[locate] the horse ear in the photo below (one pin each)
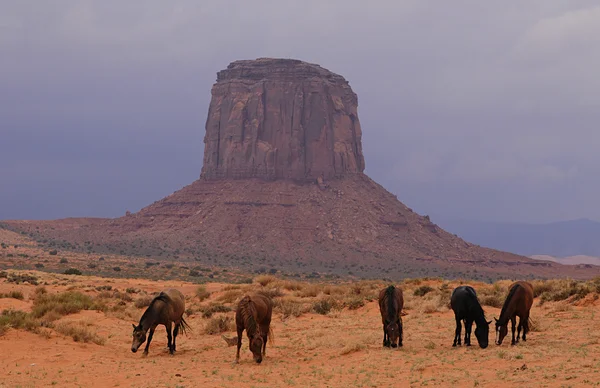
(133, 326)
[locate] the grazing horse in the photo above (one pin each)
(253, 313)
(517, 303)
(466, 308)
(391, 302)
(166, 308)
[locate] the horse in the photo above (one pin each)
(253, 314)
(517, 303)
(466, 308)
(391, 302)
(166, 308)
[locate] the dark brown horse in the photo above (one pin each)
(165, 309)
(253, 313)
(517, 303)
(391, 302)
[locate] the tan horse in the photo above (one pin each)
(165, 309)
(253, 313)
(517, 303)
(391, 302)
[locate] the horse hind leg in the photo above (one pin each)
(457, 332)
(169, 326)
(519, 327)
(386, 340)
(400, 332)
(468, 328)
(175, 332)
(525, 327)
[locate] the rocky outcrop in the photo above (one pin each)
(281, 119)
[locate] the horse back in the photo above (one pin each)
(264, 307)
(523, 296)
(383, 302)
(176, 303)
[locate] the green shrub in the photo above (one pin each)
(72, 271)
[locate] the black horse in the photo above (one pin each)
(466, 308)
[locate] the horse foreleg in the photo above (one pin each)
(169, 337)
(525, 327)
(265, 337)
(149, 340)
(386, 340)
(457, 333)
(175, 332)
(513, 322)
(519, 328)
(239, 344)
(468, 328)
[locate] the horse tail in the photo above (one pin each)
(390, 292)
(271, 335)
(183, 326)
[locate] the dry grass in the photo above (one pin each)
(310, 291)
(14, 295)
(353, 347)
(230, 296)
(265, 280)
(219, 324)
(80, 333)
(65, 303)
(143, 301)
(288, 307)
(17, 319)
(208, 311)
(201, 293)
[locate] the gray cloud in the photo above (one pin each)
(485, 110)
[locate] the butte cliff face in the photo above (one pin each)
(273, 125)
(281, 119)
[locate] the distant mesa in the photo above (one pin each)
(282, 187)
(281, 119)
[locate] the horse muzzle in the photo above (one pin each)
(134, 350)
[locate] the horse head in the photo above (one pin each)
(393, 332)
(482, 333)
(139, 337)
(501, 331)
(256, 345)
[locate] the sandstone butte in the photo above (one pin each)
(282, 186)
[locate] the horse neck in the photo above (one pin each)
(392, 314)
(250, 319)
(508, 308)
(478, 314)
(148, 318)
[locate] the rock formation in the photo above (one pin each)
(274, 124)
(281, 119)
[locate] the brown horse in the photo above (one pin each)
(517, 303)
(253, 313)
(165, 309)
(391, 302)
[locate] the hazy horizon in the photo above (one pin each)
(469, 110)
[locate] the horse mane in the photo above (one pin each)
(391, 310)
(509, 298)
(248, 312)
(476, 306)
(160, 297)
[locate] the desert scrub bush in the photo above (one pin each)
(79, 333)
(230, 296)
(218, 325)
(310, 291)
(290, 285)
(492, 300)
(208, 311)
(38, 265)
(290, 308)
(333, 290)
(53, 252)
(117, 269)
(17, 319)
(19, 278)
(271, 292)
(65, 303)
(92, 265)
(422, 290)
(264, 280)
(352, 347)
(324, 306)
(354, 303)
(72, 271)
(201, 293)
(143, 301)
(565, 289)
(63, 261)
(14, 295)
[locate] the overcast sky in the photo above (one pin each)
(486, 110)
